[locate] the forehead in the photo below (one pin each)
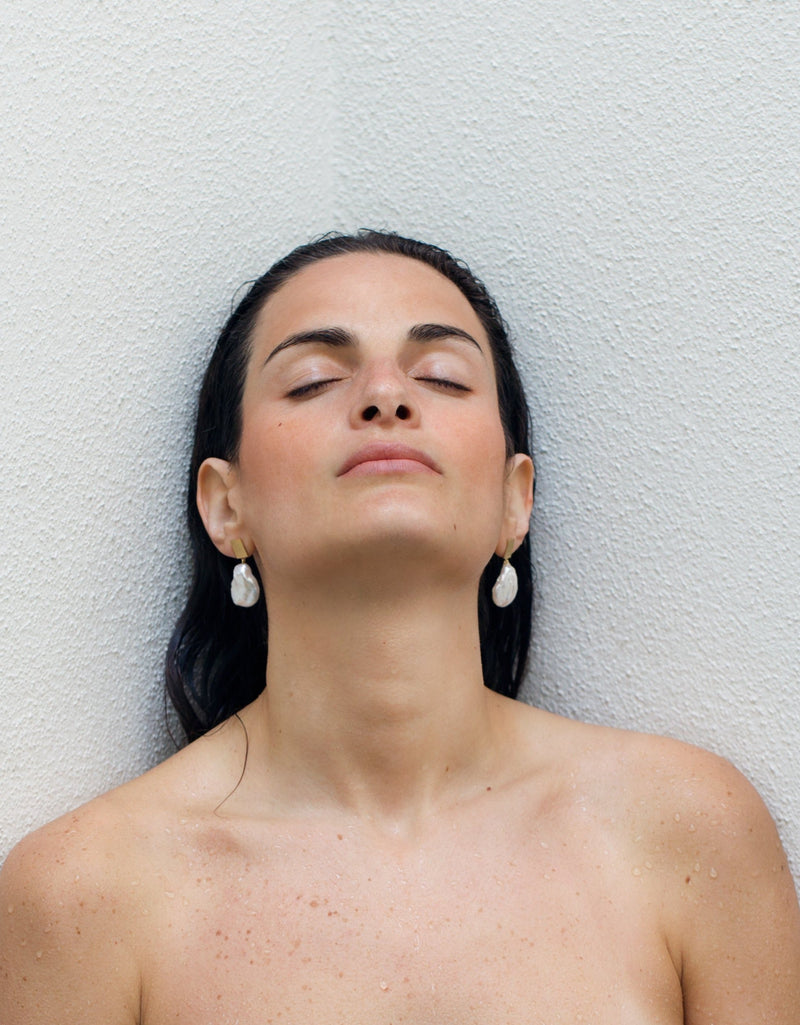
(366, 291)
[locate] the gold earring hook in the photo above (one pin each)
(239, 549)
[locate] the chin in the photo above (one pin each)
(397, 530)
(405, 537)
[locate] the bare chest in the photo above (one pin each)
(323, 934)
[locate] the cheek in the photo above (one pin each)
(485, 445)
(275, 458)
(482, 484)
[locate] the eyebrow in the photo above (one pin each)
(338, 337)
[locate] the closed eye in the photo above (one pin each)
(443, 382)
(311, 388)
(314, 387)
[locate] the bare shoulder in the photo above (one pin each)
(730, 904)
(694, 806)
(66, 863)
(697, 841)
(84, 858)
(66, 923)
(682, 803)
(672, 790)
(76, 899)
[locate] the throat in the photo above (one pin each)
(382, 713)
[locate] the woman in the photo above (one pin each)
(376, 835)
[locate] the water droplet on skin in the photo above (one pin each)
(697, 866)
(692, 827)
(713, 873)
(677, 816)
(637, 871)
(384, 986)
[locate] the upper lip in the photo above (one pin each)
(376, 450)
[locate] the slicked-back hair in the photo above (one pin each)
(217, 656)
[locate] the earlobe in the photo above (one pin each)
(216, 503)
(518, 501)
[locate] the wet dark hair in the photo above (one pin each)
(216, 661)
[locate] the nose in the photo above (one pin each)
(384, 398)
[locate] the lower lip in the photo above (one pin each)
(378, 467)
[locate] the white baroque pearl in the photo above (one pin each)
(244, 586)
(505, 587)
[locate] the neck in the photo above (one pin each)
(374, 703)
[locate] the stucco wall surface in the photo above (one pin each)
(625, 178)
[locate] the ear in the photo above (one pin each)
(216, 503)
(518, 501)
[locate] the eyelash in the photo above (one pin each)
(316, 386)
(443, 382)
(310, 389)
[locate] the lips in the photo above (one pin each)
(388, 457)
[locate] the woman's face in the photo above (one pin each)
(370, 423)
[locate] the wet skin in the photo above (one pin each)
(601, 882)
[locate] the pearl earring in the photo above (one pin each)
(244, 586)
(505, 587)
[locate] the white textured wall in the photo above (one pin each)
(625, 177)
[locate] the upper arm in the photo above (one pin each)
(65, 955)
(737, 917)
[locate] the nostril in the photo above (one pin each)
(403, 413)
(370, 413)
